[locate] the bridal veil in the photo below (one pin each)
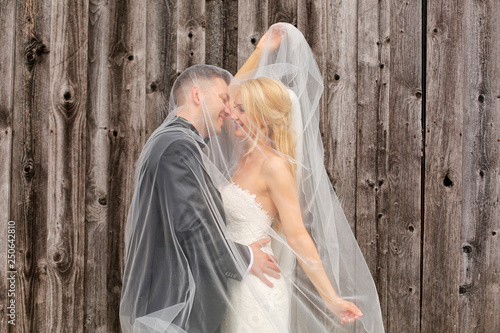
(161, 282)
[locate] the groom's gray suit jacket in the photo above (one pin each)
(185, 234)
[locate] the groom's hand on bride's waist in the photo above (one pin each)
(263, 263)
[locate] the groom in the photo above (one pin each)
(178, 260)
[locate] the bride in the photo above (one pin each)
(279, 188)
(263, 192)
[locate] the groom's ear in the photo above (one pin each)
(195, 94)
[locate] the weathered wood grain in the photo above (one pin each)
(215, 33)
(161, 60)
(66, 166)
(85, 84)
(479, 290)
(444, 184)
(126, 133)
(372, 197)
(340, 96)
(282, 11)
(230, 60)
(312, 22)
(403, 143)
(7, 40)
(97, 169)
(252, 24)
(191, 34)
(29, 187)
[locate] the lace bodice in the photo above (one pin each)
(246, 220)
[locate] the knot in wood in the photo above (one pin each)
(30, 57)
(28, 169)
(67, 99)
(42, 268)
(60, 259)
(32, 50)
(467, 248)
(153, 86)
(370, 183)
(447, 181)
(394, 248)
(463, 289)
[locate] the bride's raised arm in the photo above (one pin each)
(282, 188)
(271, 39)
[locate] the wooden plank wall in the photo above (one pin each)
(410, 120)
(461, 249)
(7, 39)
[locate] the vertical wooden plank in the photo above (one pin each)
(230, 61)
(403, 165)
(161, 60)
(191, 34)
(282, 11)
(222, 34)
(479, 290)
(252, 24)
(126, 132)
(340, 96)
(29, 188)
(97, 167)
(372, 197)
(7, 26)
(443, 167)
(312, 22)
(214, 39)
(389, 155)
(66, 163)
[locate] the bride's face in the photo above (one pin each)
(242, 128)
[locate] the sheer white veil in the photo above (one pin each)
(182, 258)
(294, 65)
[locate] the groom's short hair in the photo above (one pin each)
(194, 73)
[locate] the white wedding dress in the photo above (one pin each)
(248, 222)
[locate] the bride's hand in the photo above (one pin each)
(347, 311)
(274, 39)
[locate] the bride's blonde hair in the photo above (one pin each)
(268, 106)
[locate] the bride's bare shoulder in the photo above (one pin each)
(276, 167)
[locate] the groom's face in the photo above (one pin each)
(215, 104)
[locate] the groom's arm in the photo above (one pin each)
(195, 210)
